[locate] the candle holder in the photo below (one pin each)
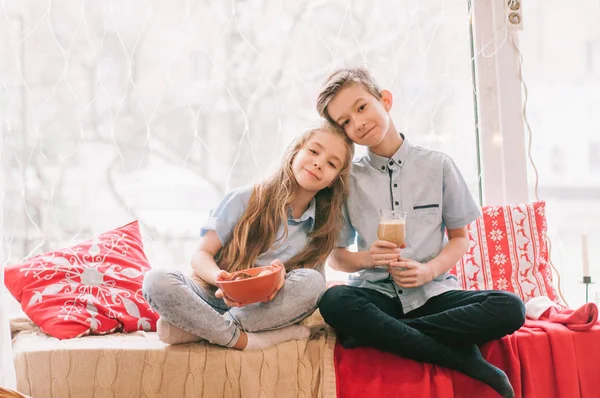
(587, 281)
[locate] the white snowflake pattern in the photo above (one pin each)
(495, 223)
(84, 273)
(493, 211)
(500, 259)
(501, 270)
(498, 248)
(496, 235)
(502, 283)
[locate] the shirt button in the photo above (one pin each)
(399, 162)
(397, 203)
(382, 167)
(399, 291)
(395, 185)
(391, 163)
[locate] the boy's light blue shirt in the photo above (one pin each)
(428, 186)
(230, 210)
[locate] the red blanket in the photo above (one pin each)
(542, 359)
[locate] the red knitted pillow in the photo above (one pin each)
(508, 252)
(91, 288)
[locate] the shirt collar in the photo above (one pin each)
(309, 214)
(382, 163)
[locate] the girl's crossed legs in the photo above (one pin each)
(195, 309)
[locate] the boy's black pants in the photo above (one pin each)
(434, 333)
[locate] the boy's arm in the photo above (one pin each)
(381, 253)
(459, 209)
(457, 246)
(342, 259)
(410, 274)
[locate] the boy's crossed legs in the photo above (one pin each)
(463, 317)
(444, 331)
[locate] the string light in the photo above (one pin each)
(532, 162)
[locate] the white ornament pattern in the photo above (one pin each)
(94, 287)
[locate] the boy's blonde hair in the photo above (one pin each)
(269, 206)
(340, 79)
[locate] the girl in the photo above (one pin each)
(292, 219)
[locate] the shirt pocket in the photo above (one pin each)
(427, 206)
(423, 217)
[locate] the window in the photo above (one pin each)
(562, 74)
(131, 110)
(557, 161)
(594, 154)
(593, 56)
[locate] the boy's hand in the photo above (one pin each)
(382, 253)
(409, 273)
(275, 265)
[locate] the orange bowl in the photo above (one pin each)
(254, 288)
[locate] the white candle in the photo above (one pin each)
(584, 254)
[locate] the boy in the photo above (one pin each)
(404, 301)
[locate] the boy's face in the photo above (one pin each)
(363, 117)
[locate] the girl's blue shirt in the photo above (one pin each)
(230, 210)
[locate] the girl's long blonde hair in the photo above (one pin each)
(269, 207)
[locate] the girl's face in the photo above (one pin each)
(319, 161)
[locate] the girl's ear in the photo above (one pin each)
(387, 100)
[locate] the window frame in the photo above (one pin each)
(498, 100)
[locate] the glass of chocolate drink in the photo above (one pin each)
(392, 226)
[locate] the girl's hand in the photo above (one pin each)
(229, 302)
(225, 276)
(275, 266)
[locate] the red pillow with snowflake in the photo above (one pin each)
(91, 288)
(508, 251)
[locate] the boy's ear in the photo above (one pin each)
(387, 100)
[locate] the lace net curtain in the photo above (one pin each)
(121, 110)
